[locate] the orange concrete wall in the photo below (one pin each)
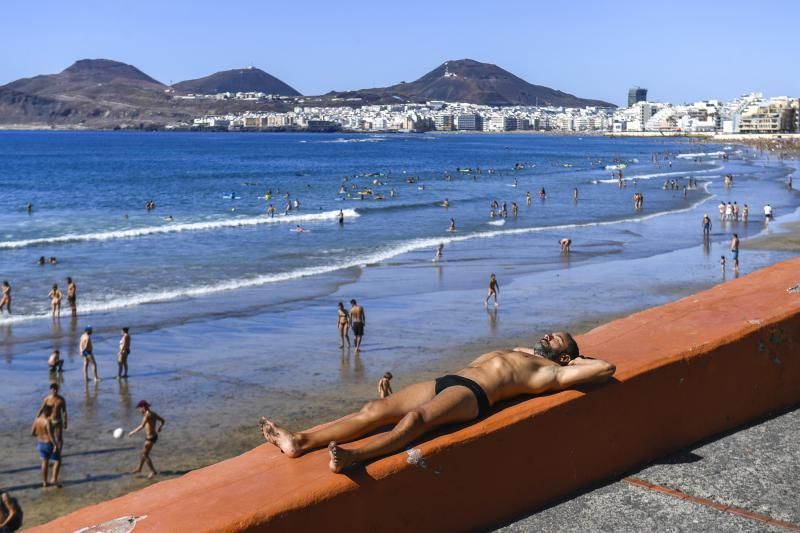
(685, 371)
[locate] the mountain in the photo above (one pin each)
(470, 81)
(238, 80)
(101, 93)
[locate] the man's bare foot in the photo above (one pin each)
(45, 484)
(152, 475)
(340, 458)
(280, 437)
(135, 471)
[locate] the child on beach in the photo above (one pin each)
(384, 387)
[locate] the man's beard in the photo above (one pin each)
(545, 351)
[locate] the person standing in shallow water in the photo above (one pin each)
(87, 351)
(494, 290)
(47, 445)
(357, 321)
(149, 421)
(72, 296)
(343, 323)
(55, 300)
(5, 299)
(122, 355)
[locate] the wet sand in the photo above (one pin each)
(786, 241)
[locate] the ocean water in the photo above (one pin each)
(233, 314)
(88, 192)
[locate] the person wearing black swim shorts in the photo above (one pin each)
(149, 421)
(552, 364)
(357, 320)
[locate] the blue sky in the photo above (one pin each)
(681, 51)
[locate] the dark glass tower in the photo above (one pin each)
(636, 94)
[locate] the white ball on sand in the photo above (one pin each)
(118, 433)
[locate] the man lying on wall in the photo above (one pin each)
(553, 364)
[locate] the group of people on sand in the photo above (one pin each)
(86, 349)
(51, 422)
(353, 319)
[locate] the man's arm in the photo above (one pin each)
(584, 370)
(139, 427)
(64, 407)
(160, 421)
(41, 408)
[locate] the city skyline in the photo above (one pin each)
(694, 52)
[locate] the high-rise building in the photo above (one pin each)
(636, 94)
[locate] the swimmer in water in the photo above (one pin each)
(452, 227)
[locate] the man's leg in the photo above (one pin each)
(143, 457)
(148, 449)
(453, 405)
(85, 367)
(45, 464)
(372, 416)
(56, 471)
(94, 367)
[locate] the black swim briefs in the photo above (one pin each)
(452, 380)
(358, 328)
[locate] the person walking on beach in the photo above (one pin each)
(735, 251)
(384, 385)
(745, 212)
(5, 299)
(55, 300)
(553, 364)
(357, 321)
(494, 290)
(565, 244)
(72, 296)
(528, 198)
(706, 225)
(10, 513)
(58, 413)
(343, 323)
(47, 446)
(124, 352)
(87, 352)
(149, 421)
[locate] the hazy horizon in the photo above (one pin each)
(693, 51)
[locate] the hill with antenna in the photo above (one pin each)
(470, 81)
